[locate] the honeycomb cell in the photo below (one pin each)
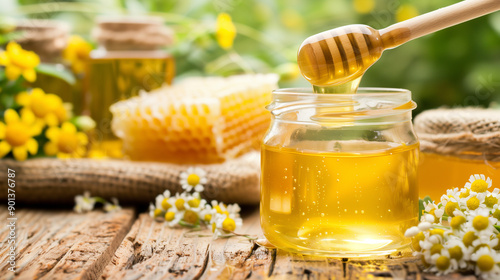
(199, 120)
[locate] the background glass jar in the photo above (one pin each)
(339, 172)
(129, 59)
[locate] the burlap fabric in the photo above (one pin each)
(47, 38)
(54, 181)
(132, 33)
(472, 133)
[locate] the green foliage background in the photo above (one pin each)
(459, 66)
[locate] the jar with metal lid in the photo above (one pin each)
(457, 143)
(339, 172)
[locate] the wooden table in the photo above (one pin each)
(61, 244)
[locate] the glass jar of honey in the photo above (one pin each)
(455, 144)
(129, 59)
(339, 172)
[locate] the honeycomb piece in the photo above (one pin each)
(200, 120)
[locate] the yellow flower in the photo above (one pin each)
(406, 11)
(292, 19)
(19, 62)
(17, 134)
(65, 141)
(47, 107)
(225, 31)
(76, 53)
(364, 6)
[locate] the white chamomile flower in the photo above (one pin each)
(84, 203)
(486, 260)
(205, 214)
(219, 207)
(179, 201)
(451, 194)
(112, 207)
(491, 199)
(155, 212)
(458, 252)
(163, 201)
(226, 224)
(479, 185)
(432, 210)
(443, 263)
(481, 222)
(475, 201)
(173, 216)
(431, 245)
(194, 178)
(194, 203)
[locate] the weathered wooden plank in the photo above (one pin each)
(295, 266)
(152, 250)
(239, 257)
(59, 244)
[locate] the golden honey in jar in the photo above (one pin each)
(457, 143)
(129, 60)
(340, 182)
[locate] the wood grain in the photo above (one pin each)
(55, 244)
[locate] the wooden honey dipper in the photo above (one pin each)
(343, 54)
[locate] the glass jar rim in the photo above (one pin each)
(360, 92)
(373, 105)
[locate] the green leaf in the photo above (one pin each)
(57, 72)
(421, 207)
(497, 228)
(11, 36)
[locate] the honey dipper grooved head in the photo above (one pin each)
(339, 55)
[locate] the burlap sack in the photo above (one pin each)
(471, 133)
(54, 181)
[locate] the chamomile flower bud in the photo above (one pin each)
(412, 232)
(429, 218)
(424, 226)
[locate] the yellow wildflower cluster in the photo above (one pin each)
(40, 112)
(189, 209)
(42, 118)
(470, 240)
(76, 53)
(19, 62)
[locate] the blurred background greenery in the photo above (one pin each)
(459, 66)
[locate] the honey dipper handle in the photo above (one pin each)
(416, 27)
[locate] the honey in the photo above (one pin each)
(119, 75)
(437, 173)
(338, 203)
